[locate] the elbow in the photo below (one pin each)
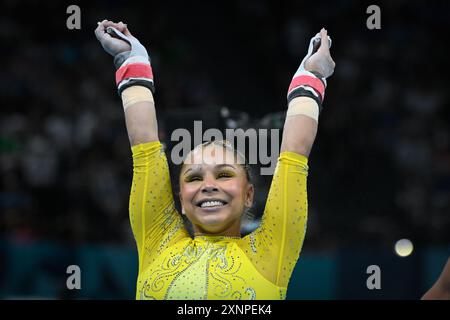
(301, 146)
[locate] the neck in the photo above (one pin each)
(221, 234)
(233, 230)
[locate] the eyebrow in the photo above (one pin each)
(219, 166)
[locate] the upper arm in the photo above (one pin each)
(275, 246)
(154, 219)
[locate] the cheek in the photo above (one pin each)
(188, 192)
(235, 189)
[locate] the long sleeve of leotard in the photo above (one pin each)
(274, 247)
(155, 222)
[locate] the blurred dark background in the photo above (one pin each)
(379, 171)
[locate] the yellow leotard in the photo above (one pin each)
(172, 265)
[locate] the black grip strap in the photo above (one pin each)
(137, 82)
(302, 92)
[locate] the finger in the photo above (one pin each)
(324, 43)
(100, 30)
(121, 26)
(101, 26)
(126, 31)
(114, 33)
(115, 25)
(108, 23)
(102, 23)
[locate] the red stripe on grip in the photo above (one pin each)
(312, 82)
(134, 70)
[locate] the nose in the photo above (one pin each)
(209, 184)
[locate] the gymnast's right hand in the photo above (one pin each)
(131, 59)
(108, 39)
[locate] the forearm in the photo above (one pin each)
(300, 129)
(140, 115)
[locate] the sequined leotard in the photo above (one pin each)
(172, 265)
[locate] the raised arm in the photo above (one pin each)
(134, 79)
(154, 220)
(275, 246)
(305, 96)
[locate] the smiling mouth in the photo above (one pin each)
(211, 204)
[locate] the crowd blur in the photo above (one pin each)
(380, 168)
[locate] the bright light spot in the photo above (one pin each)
(404, 247)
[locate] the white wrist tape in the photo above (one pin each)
(135, 94)
(305, 106)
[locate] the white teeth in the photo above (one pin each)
(212, 204)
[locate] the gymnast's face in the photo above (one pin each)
(214, 191)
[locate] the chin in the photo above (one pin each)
(212, 223)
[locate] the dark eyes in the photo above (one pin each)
(193, 178)
(219, 176)
(225, 175)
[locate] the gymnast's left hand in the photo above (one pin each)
(321, 62)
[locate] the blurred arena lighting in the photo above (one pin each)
(404, 247)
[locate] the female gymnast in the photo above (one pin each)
(215, 190)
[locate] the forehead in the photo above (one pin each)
(211, 155)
